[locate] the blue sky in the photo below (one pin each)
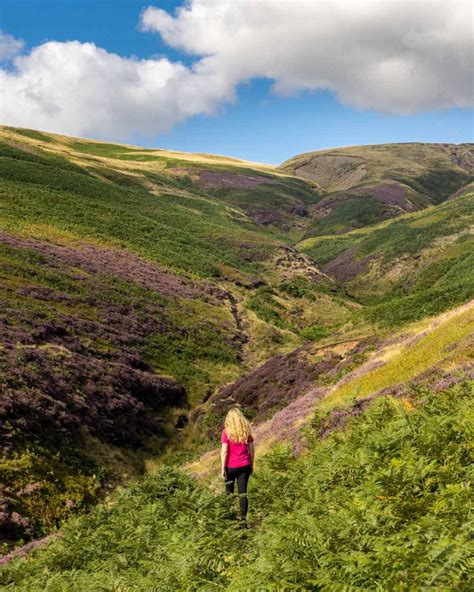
(259, 125)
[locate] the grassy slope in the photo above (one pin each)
(384, 504)
(118, 269)
(406, 268)
(439, 344)
(155, 205)
(363, 185)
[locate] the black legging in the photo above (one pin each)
(242, 475)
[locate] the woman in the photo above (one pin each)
(237, 454)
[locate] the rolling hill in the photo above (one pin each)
(363, 185)
(145, 291)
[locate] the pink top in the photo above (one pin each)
(238, 455)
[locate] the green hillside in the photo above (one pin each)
(146, 291)
(362, 185)
(130, 293)
(379, 498)
(406, 268)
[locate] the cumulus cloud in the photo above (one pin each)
(398, 57)
(389, 56)
(79, 88)
(9, 46)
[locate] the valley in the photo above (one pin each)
(145, 291)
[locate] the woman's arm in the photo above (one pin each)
(224, 451)
(251, 453)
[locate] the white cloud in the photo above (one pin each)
(78, 88)
(9, 46)
(398, 57)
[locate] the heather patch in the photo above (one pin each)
(112, 399)
(84, 352)
(111, 261)
(283, 379)
(26, 549)
(221, 179)
(390, 194)
(435, 379)
(265, 217)
(279, 203)
(347, 265)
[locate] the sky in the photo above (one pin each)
(257, 79)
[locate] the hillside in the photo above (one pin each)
(362, 185)
(129, 294)
(382, 473)
(408, 267)
(145, 291)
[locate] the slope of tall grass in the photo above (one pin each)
(419, 264)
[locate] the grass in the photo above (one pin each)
(397, 237)
(63, 314)
(224, 242)
(180, 232)
(428, 173)
(61, 311)
(33, 134)
(422, 262)
(299, 306)
(441, 285)
(103, 149)
(404, 363)
(438, 183)
(349, 214)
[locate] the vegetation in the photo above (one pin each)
(420, 264)
(145, 291)
(181, 232)
(382, 505)
(108, 308)
(363, 185)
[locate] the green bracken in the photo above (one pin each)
(383, 505)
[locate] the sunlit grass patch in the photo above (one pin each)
(403, 362)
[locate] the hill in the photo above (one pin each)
(362, 185)
(408, 267)
(130, 293)
(145, 291)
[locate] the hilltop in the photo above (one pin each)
(362, 185)
(145, 291)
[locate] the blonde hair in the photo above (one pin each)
(237, 426)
